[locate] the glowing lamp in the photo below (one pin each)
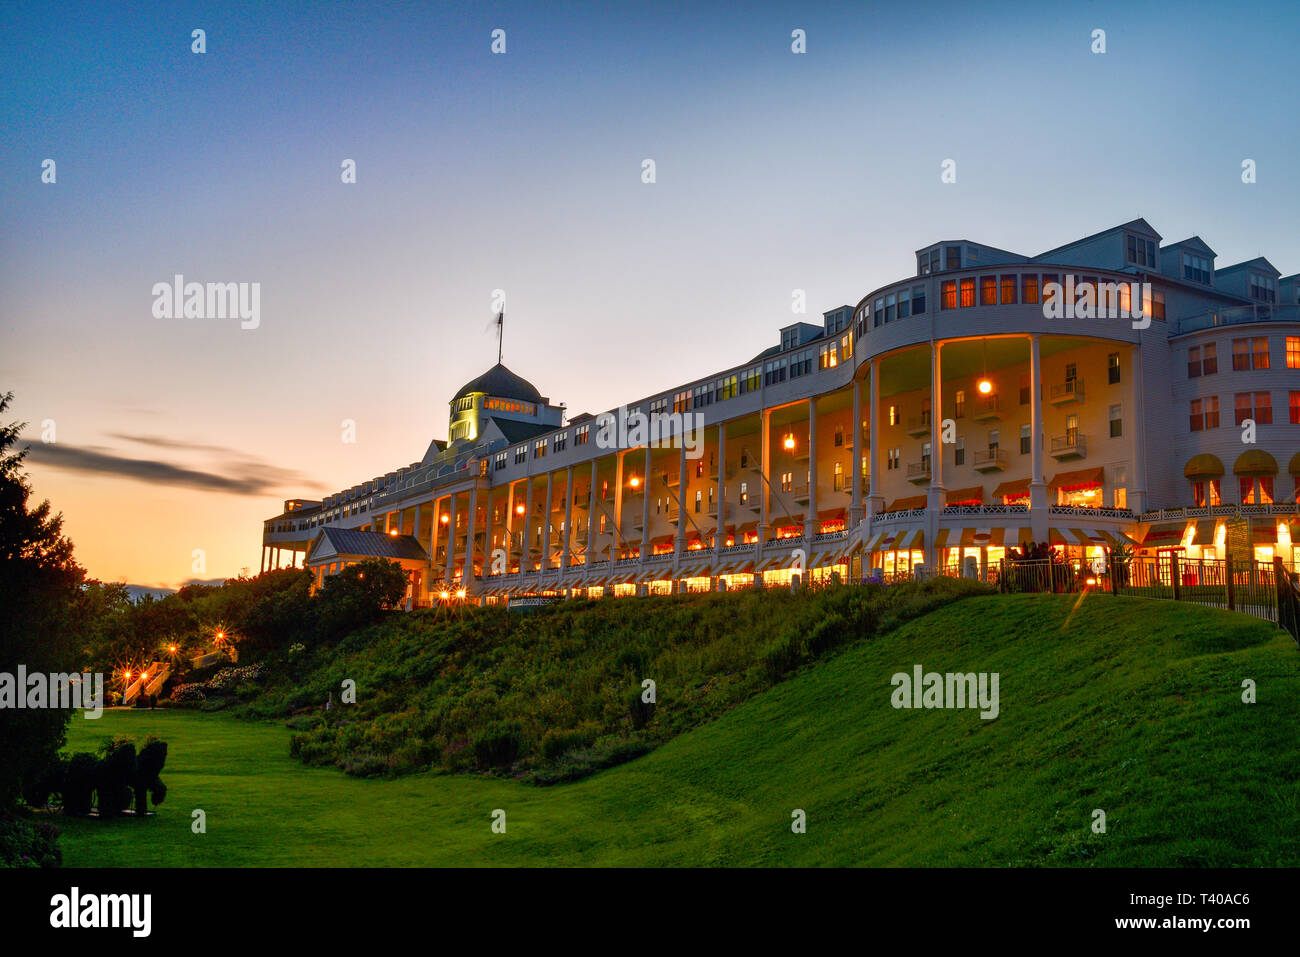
(519, 510)
(444, 595)
(789, 441)
(634, 482)
(392, 531)
(445, 518)
(460, 593)
(985, 386)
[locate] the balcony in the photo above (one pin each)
(987, 409)
(1237, 315)
(798, 492)
(1072, 445)
(993, 460)
(1071, 390)
(918, 425)
(918, 472)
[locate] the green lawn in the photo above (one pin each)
(1126, 705)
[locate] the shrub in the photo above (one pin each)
(498, 746)
(24, 843)
(638, 709)
(556, 743)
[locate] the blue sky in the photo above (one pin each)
(775, 171)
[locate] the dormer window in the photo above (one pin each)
(1141, 252)
(1262, 288)
(1196, 268)
(953, 257)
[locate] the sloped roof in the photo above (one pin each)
(516, 431)
(1138, 225)
(500, 381)
(351, 541)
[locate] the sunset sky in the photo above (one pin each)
(522, 172)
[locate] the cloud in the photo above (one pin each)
(242, 477)
(162, 442)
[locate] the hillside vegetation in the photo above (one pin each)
(1124, 705)
(563, 691)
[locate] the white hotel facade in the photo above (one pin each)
(826, 455)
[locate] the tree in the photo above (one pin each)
(360, 594)
(40, 613)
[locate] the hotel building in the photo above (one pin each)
(972, 407)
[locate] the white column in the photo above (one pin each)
(645, 505)
(433, 542)
(720, 536)
(937, 492)
(546, 526)
(855, 464)
(591, 522)
(1038, 518)
(810, 521)
(451, 537)
(508, 540)
(1137, 495)
(526, 538)
(765, 466)
(467, 579)
(679, 546)
(875, 500)
(568, 520)
(618, 505)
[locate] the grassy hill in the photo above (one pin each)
(1121, 704)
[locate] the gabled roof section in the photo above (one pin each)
(351, 541)
(515, 431)
(1193, 244)
(1259, 264)
(1139, 226)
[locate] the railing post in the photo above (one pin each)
(1175, 576)
(1112, 567)
(1228, 582)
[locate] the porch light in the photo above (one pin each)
(519, 510)
(445, 518)
(985, 386)
(634, 482)
(392, 531)
(444, 595)
(789, 441)
(460, 593)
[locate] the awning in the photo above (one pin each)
(738, 566)
(769, 561)
(661, 540)
(1079, 478)
(1263, 533)
(910, 540)
(875, 542)
(1117, 538)
(1025, 536)
(831, 515)
(747, 527)
(1087, 538)
(1170, 533)
(1254, 462)
(1054, 537)
(784, 521)
(995, 536)
(907, 503)
(1017, 488)
(974, 494)
(1294, 467)
(1205, 465)
(1204, 532)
